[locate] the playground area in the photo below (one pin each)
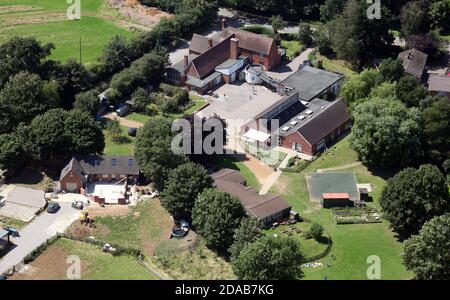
(339, 182)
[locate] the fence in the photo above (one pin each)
(327, 249)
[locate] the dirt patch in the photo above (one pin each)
(34, 18)
(262, 172)
(16, 8)
(144, 15)
(51, 264)
(112, 210)
(282, 184)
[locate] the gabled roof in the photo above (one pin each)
(205, 63)
(259, 206)
(414, 62)
(326, 121)
(248, 40)
(180, 66)
(200, 43)
(99, 165)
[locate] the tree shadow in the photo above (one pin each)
(122, 140)
(323, 240)
(29, 176)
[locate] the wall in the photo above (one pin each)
(71, 177)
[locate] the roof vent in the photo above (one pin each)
(301, 117)
(323, 107)
(309, 112)
(285, 128)
(293, 123)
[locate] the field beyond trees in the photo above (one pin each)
(48, 22)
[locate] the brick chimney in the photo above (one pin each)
(234, 48)
(210, 43)
(224, 23)
(186, 61)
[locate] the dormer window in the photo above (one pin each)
(113, 162)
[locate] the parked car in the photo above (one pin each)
(13, 231)
(53, 207)
(132, 131)
(123, 110)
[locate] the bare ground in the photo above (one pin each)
(144, 15)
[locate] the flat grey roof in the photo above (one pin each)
(311, 82)
(202, 82)
(228, 63)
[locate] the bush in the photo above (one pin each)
(316, 230)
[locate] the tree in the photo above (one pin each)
(414, 19)
(84, 133)
(215, 216)
(384, 90)
(45, 137)
(20, 54)
(114, 130)
(182, 188)
(87, 102)
(154, 153)
(25, 96)
(248, 232)
(359, 86)
(316, 230)
(141, 99)
(414, 196)
(438, 12)
(356, 38)
(331, 8)
(428, 253)
(305, 34)
(322, 40)
(277, 23)
(410, 91)
(391, 70)
(269, 258)
(436, 129)
(11, 153)
(385, 133)
(117, 54)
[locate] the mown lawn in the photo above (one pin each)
(47, 21)
(293, 48)
(138, 117)
(352, 244)
(334, 65)
(125, 147)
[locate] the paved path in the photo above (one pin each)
(275, 175)
(37, 232)
(343, 167)
(123, 121)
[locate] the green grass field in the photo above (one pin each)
(47, 21)
(230, 162)
(352, 244)
(124, 148)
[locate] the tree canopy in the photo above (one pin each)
(248, 232)
(215, 216)
(427, 254)
(269, 258)
(414, 196)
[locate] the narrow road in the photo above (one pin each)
(37, 232)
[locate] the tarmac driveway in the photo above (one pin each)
(37, 232)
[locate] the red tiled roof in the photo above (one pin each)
(248, 40)
(335, 196)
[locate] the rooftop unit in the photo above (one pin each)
(309, 112)
(285, 128)
(301, 117)
(294, 122)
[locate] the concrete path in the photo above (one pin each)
(275, 175)
(37, 232)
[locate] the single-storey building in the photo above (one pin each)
(95, 168)
(266, 208)
(330, 200)
(414, 62)
(21, 202)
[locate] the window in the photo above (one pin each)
(130, 162)
(113, 162)
(105, 176)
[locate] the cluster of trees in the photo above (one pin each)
(396, 122)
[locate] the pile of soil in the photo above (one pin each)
(139, 13)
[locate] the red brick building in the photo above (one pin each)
(212, 61)
(109, 169)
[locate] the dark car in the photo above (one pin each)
(123, 110)
(132, 131)
(53, 207)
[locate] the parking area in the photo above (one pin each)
(21, 203)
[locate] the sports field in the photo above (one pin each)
(47, 20)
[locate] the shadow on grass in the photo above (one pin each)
(323, 240)
(122, 140)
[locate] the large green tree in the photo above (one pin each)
(357, 38)
(21, 54)
(215, 216)
(117, 54)
(87, 102)
(385, 133)
(269, 258)
(11, 153)
(182, 188)
(359, 86)
(25, 96)
(414, 18)
(248, 232)
(410, 91)
(391, 69)
(154, 153)
(428, 253)
(414, 196)
(436, 129)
